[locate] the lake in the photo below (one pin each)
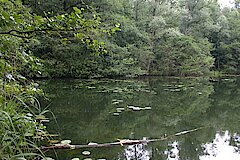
(102, 111)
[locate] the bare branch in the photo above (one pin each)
(27, 34)
(119, 143)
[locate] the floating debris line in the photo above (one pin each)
(121, 142)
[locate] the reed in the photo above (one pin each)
(21, 126)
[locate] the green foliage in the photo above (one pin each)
(20, 130)
(184, 56)
(97, 38)
(73, 46)
(226, 41)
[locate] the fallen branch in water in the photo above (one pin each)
(121, 142)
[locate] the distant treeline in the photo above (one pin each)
(157, 37)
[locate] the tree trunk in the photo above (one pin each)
(64, 5)
(35, 4)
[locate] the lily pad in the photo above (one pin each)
(148, 108)
(119, 111)
(87, 159)
(175, 90)
(153, 92)
(75, 159)
(92, 143)
(130, 106)
(66, 141)
(116, 114)
(136, 108)
(90, 87)
(115, 102)
(86, 153)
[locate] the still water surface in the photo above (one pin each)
(101, 111)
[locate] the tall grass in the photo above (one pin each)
(21, 128)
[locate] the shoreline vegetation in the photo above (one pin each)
(105, 38)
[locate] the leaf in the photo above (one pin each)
(10, 76)
(53, 141)
(77, 10)
(44, 120)
(21, 158)
(29, 115)
(52, 135)
(12, 18)
(36, 137)
(28, 134)
(41, 117)
(86, 153)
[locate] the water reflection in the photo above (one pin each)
(137, 152)
(84, 112)
(221, 147)
(224, 146)
(173, 153)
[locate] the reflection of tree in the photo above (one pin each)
(85, 115)
(221, 148)
(173, 153)
(224, 113)
(136, 152)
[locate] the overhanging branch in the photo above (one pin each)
(28, 33)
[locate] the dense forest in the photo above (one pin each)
(103, 38)
(158, 37)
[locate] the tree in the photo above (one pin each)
(227, 42)
(146, 28)
(18, 105)
(21, 115)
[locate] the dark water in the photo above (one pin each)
(106, 110)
